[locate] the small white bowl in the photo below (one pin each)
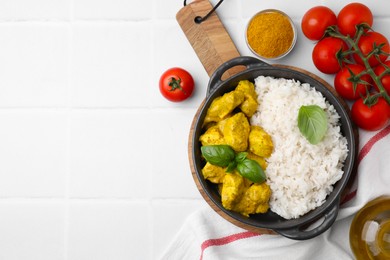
(292, 43)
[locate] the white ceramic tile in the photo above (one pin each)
(34, 10)
(168, 9)
(170, 166)
(168, 217)
(109, 230)
(34, 65)
(111, 9)
(167, 34)
(110, 154)
(227, 9)
(33, 153)
(31, 230)
(295, 9)
(111, 65)
(236, 30)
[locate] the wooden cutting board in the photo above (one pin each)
(214, 46)
(209, 39)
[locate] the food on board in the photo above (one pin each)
(312, 123)
(176, 84)
(225, 156)
(260, 143)
(235, 131)
(298, 174)
(235, 151)
(239, 195)
(223, 106)
(270, 34)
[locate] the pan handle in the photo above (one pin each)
(298, 234)
(249, 62)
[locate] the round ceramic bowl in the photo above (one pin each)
(291, 228)
(261, 34)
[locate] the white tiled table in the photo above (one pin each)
(93, 161)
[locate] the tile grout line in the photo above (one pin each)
(63, 200)
(85, 108)
(80, 21)
(69, 130)
(79, 199)
(150, 198)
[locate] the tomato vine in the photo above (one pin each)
(375, 52)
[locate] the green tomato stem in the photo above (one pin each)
(175, 84)
(355, 49)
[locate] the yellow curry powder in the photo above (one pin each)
(270, 34)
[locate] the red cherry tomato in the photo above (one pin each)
(324, 54)
(366, 45)
(176, 84)
(372, 117)
(352, 15)
(344, 85)
(316, 20)
(385, 79)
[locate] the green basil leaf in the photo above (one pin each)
(240, 157)
(251, 170)
(312, 123)
(220, 155)
(232, 165)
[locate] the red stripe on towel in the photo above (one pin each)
(367, 147)
(363, 152)
(231, 238)
(226, 240)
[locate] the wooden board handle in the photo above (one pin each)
(209, 39)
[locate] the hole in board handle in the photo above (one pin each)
(198, 20)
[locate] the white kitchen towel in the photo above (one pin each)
(206, 235)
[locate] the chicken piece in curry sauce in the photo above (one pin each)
(249, 105)
(260, 142)
(236, 132)
(212, 136)
(227, 122)
(213, 173)
(241, 196)
(223, 106)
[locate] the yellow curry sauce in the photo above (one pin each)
(227, 122)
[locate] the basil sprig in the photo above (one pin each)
(251, 170)
(220, 155)
(312, 123)
(224, 156)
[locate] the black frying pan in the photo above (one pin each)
(293, 228)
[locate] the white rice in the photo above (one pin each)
(300, 174)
